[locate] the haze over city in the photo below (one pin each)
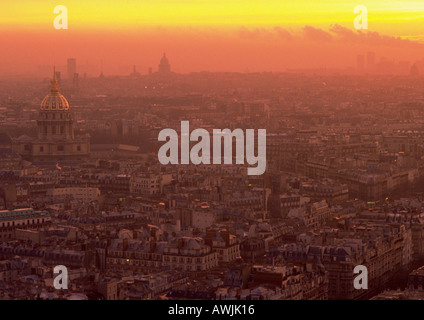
(181, 150)
(234, 36)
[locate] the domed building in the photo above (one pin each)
(55, 132)
(164, 66)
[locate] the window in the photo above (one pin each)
(41, 149)
(78, 148)
(60, 148)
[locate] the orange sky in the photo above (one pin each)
(219, 35)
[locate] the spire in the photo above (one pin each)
(54, 88)
(101, 69)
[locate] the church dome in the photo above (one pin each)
(164, 60)
(164, 66)
(54, 100)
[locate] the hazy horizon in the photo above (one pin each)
(207, 36)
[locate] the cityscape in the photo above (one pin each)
(83, 189)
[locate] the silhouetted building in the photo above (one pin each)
(135, 74)
(71, 67)
(75, 83)
(164, 66)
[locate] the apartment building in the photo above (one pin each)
(25, 218)
(189, 254)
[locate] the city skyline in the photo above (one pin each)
(181, 150)
(209, 36)
(363, 63)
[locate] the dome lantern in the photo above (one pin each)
(54, 100)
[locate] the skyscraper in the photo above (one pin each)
(75, 83)
(71, 67)
(58, 76)
(414, 71)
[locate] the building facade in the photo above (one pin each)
(55, 139)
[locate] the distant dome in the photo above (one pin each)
(164, 59)
(54, 100)
(164, 66)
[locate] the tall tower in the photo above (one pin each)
(164, 66)
(58, 77)
(71, 67)
(75, 83)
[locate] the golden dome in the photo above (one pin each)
(54, 100)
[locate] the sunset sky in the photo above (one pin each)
(219, 35)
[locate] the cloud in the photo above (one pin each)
(265, 33)
(316, 34)
(370, 38)
(283, 33)
(335, 34)
(254, 33)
